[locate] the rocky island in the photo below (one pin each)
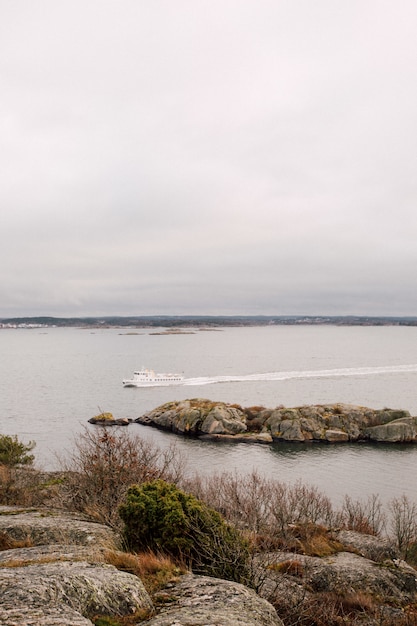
(330, 423)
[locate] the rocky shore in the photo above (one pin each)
(330, 423)
(62, 577)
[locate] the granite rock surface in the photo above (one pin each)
(332, 423)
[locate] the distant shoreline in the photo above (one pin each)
(203, 322)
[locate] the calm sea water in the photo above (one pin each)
(52, 381)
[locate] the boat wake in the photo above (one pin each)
(330, 373)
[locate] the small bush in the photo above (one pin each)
(364, 517)
(105, 462)
(266, 510)
(160, 517)
(404, 525)
(14, 453)
(412, 554)
(19, 482)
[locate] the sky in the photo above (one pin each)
(169, 157)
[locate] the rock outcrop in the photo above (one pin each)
(333, 423)
(198, 417)
(62, 578)
(403, 429)
(293, 579)
(203, 601)
(74, 588)
(107, 419)
(369, 546)
(49, 526)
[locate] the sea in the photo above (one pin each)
(52, 380)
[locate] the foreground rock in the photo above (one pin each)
(61, 577)
(333, 423)
(73, 589)
(64, 579)
(203, 601)
(369, 546)
(48, 526)
(294, 581)
(346, 572)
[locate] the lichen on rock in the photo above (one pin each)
(63, 578)
(85, 588)
(332, 423)
(203, 601)
(49, 526)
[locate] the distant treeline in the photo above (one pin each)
(204, 321)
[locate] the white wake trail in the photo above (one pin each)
(329, 373)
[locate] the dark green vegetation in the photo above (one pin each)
(14, 453)
(203, 321)
(160, 517)
(13, 456)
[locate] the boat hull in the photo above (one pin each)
(150, 378)
(168, 383)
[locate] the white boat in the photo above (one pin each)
(149, 378)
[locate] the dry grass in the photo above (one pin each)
(124, 561)
(333, 609)
(292, 567)
(155, 570)
(26, 486)
(8, 543)
(122, 620)
(315, 540)
(329, 609)
(42, 560)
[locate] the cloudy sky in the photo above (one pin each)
(208, 157)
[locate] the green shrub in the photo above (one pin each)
(160, 517)
(13, 452)
(16, 484)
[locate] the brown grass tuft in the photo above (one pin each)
(155, 570)
(331, 609)
(291, 567)
(314, 540)
(122, 620)
(8, 543)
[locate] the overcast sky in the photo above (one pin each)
(208, 157)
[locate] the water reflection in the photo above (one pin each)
(358, 470)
